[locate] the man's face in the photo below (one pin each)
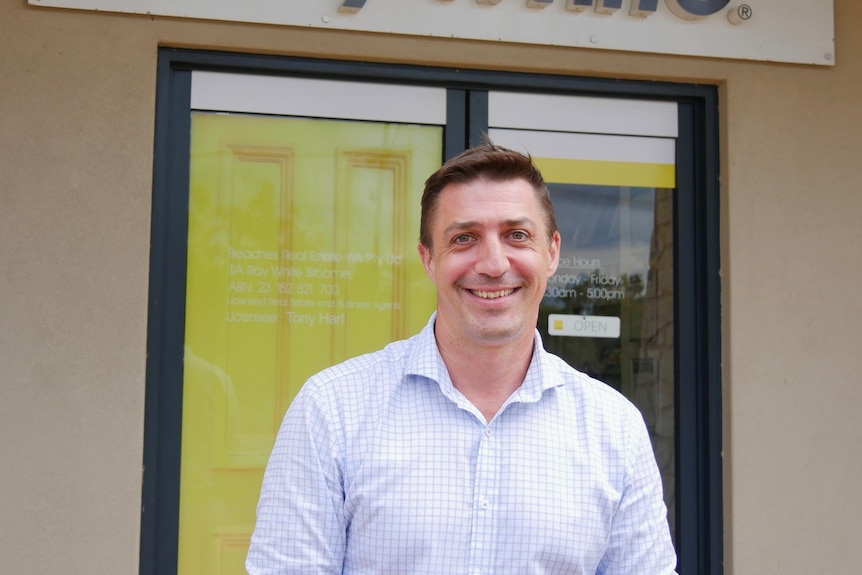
(490, 260)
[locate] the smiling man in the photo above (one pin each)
(466, 449)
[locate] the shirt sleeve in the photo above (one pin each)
(640, 542)
(300, 526)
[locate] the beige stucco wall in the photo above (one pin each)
(77, 94)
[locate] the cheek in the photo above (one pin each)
(535, 264)
(450, 268)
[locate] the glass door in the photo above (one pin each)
(609, 309)
(301, 253)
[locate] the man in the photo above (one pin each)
(466, 449)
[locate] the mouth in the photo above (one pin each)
(492, 294)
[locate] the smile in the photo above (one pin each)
(492, 294)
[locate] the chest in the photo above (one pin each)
(530, 487)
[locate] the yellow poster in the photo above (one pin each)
(301, 253)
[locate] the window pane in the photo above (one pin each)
(301, 253)
(608, 310)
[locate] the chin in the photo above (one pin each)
(492, 333)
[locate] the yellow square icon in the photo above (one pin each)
(558, 324)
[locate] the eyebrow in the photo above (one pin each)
(511, 223)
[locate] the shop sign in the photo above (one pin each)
(797, 31)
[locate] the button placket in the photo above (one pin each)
(483, 548)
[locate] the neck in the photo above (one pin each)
(488, 373)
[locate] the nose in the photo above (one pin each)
(493, 259)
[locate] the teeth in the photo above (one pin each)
(492, 294)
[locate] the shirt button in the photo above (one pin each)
(488, 432)
(485, 504)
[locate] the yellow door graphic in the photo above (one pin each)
(301, 253)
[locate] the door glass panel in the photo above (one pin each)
(609, 309)
(301, 253)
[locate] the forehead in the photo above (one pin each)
(487, 201)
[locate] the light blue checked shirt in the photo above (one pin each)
(382, 467)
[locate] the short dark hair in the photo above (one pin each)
(485, 162)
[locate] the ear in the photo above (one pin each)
(554, 251)
(427, 257)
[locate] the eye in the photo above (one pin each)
(519, 235)
(461, 239)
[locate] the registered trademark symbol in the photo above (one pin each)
(740, 14)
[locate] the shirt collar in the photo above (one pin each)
(425, 360)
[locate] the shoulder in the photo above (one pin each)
(595, 399)
(356, 384)
(389, 360)
(342, 406)
(606, 423)
(377, 369)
